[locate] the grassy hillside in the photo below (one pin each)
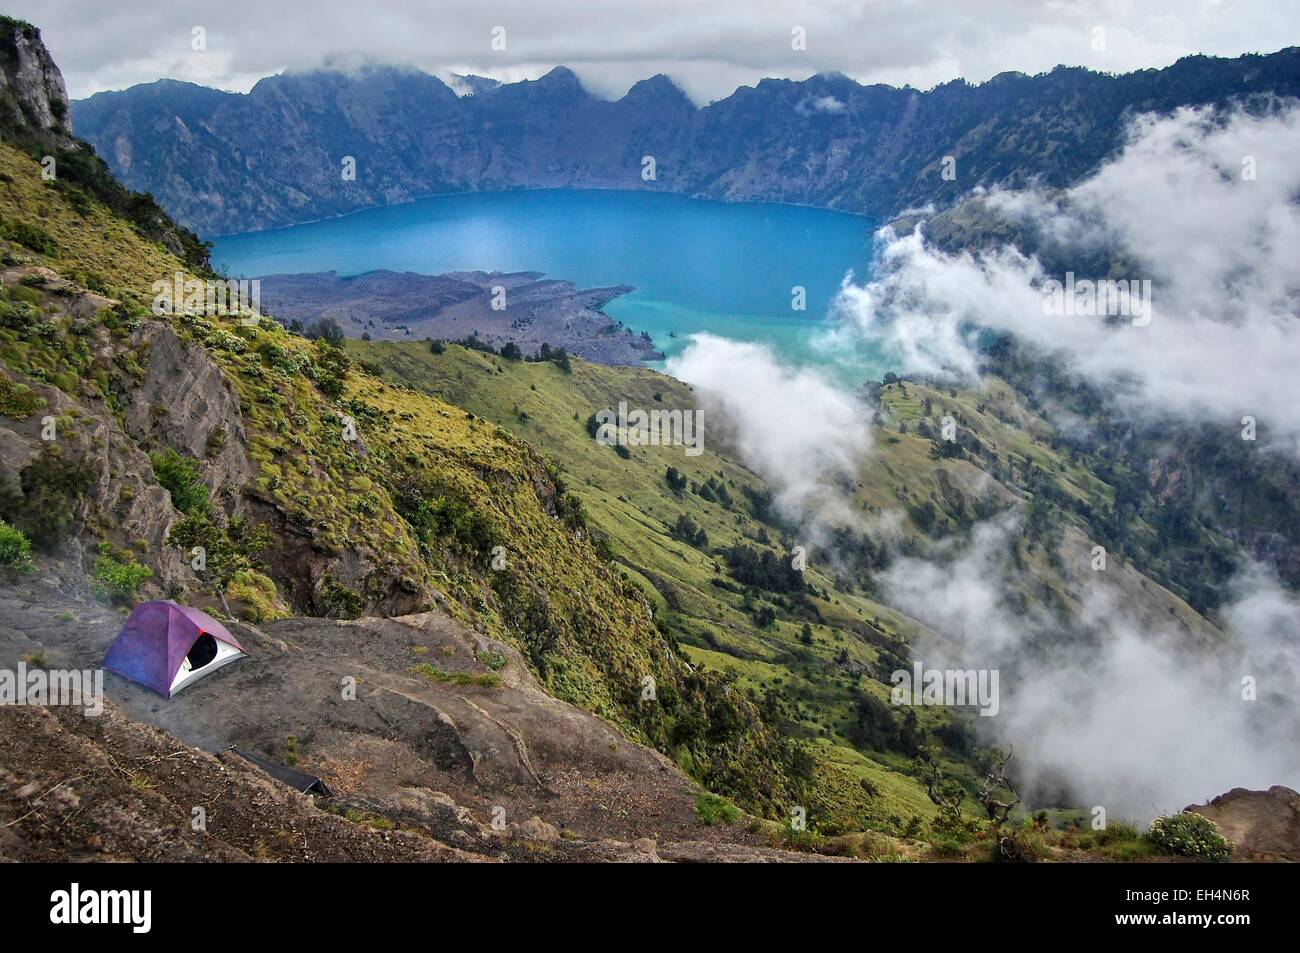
(406, 515)
(826, 656)
(828, 646)
(473, 483)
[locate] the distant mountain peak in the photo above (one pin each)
(561, 76)
(468, 84)
(660, 87)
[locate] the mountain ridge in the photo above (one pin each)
(224, 162)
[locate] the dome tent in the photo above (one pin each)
(167, 647)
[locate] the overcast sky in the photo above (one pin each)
(708, 46)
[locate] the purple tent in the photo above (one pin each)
(166, 647)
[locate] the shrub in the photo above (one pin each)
(948, 847)
(33, 236)
(258, 595)
(1116, 832)
(180, 477)
(18, 400)
(340, 601)
(1189, 835)
(15, 548)
(118, 579)
(1026, 845)
(713, 810)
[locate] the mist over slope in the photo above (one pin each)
(1177, 411)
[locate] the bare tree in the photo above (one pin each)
(996, 780)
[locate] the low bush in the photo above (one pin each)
(15, 547)
(713, 810)
(1189, 835)
(118, 578)
(180, 477)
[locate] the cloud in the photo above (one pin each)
(1217, 245)
(710, 49)
(828, 104)
(794, 428)
(1126, 714)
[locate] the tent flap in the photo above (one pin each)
(300, 781)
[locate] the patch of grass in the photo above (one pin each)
(368, 819)
(713, 810)
(1128, 851)
(434, 674)
(493, 660)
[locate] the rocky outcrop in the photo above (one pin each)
(431, 752)
(31, 86)
(1262, 825)
(184, 401)
(35, 117)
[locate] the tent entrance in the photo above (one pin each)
(203, 652)
(205, 656)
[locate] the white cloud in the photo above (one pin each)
(709, 49)
(1129, 715)
(797, 430)
(1219, 249)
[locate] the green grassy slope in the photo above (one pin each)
(813, 687)
(406, 515)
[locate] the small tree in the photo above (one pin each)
(995, 780)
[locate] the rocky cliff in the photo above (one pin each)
(35, 118)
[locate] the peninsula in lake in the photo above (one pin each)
(496, 307)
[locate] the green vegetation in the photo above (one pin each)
(1189, 835)
(15, 548)
(181, 478)
(670, 522)
(713, 810)
(481, 680)
(770, 684)
(118, 576)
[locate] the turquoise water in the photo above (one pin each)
(696, 265)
